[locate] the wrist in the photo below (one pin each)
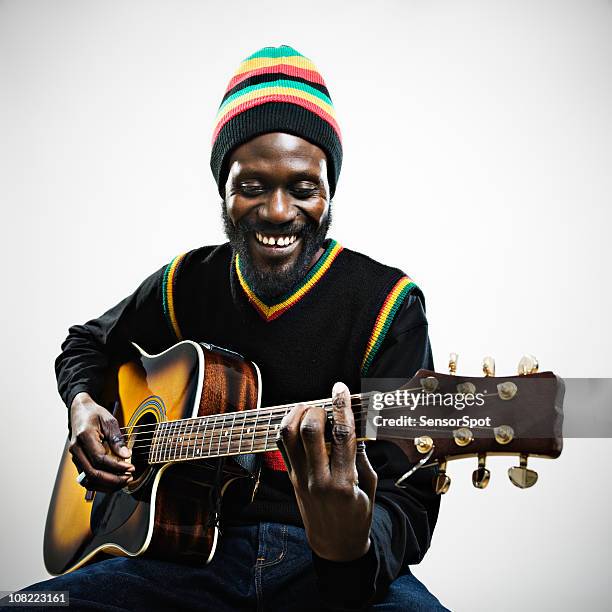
(348, 554)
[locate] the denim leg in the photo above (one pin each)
(256, 567)
(407, 594)
(140, 584)
(284, 574)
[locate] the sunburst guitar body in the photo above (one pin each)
(165, 511)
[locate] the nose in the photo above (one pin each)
(277, 208)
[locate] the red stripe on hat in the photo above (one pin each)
(309, 75)
(317, 110)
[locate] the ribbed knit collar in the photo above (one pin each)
(271, 312)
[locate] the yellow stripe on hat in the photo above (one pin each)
(263, 62)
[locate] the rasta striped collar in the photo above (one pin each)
(270, 312)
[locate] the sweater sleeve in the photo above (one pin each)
(91, 348)
(403, 519)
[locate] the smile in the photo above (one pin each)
(275, 241)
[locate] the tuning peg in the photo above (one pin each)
(442, 481)
(488, 366)
(452, 363)
(481, 476)
(521, 476)
(429, 384)
(528, 365)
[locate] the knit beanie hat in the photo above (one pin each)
(276, 89)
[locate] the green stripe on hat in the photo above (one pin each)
(282, 51)
(278, 83)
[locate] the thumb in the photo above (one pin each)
(368, 478)
(114, 437)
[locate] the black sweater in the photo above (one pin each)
(351, 317)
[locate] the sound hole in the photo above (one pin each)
(139, 442)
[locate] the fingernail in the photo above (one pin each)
(124, 451)
(339, 388)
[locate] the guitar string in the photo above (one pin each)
(327, 403)
(265, 428)
(241, 430)
(232, 448)
(257, 414)
(168, 440)
(253, 412)
(241, 418)
(164, 429)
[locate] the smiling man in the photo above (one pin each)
(320, 530)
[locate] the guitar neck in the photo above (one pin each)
(231, 434)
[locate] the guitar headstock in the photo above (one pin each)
(439, 417)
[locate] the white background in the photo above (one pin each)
(478, 156)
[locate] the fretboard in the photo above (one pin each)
(224, 435)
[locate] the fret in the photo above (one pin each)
(221, 435)
(183, 438)
(195, 438)
(176, 426)
(166, 441)
(201, 449)
(153, 443)
(254, 430)
(249, 429)
(244, 417)
(190, 436)
(268, 429)
(178, 438)
(153, 448)
(212, 434)
(174, 441)
(171, 428)
(231, 430)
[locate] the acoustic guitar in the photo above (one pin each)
(186, 412)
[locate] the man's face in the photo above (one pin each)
(276, 209)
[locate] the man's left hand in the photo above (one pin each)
(335, 493)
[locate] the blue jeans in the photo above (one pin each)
(256, 567)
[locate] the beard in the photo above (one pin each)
(271, 283)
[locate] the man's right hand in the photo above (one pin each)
(107, 468)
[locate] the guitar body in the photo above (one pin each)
(166, 512)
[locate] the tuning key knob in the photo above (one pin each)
(528, 365)
(452, 363)
(488, 366)
(521, 476)
(441, 481)
(481, 475)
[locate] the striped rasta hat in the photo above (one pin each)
(276, 89)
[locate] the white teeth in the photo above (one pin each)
(278, 241)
